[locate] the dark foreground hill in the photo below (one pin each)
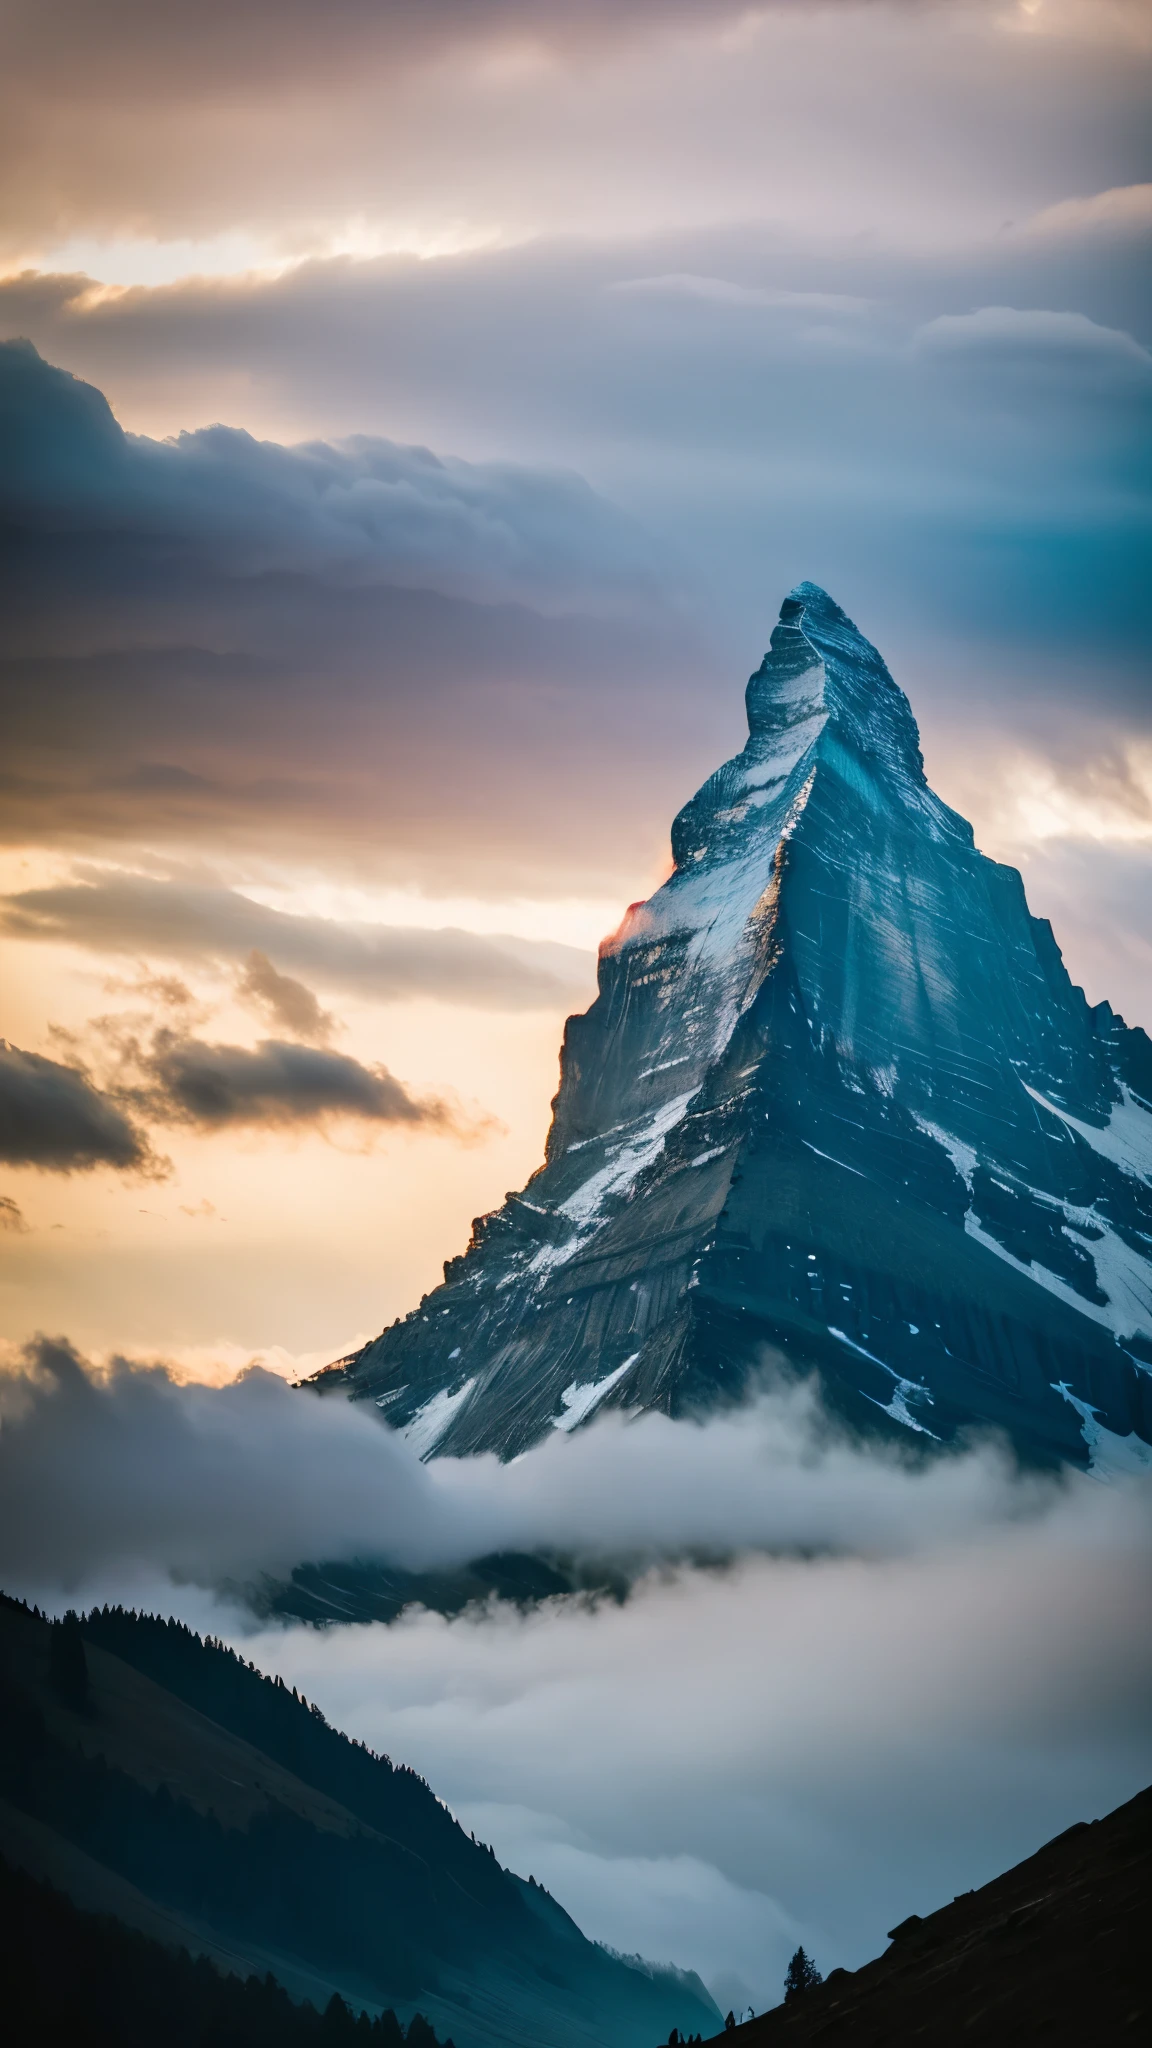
(159, 1778)
(1057, 1951)
(84, 1978)
(837, 1103)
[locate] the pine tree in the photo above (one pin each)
(802, 1976)
(67, 1663)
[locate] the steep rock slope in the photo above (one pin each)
(837, 1101)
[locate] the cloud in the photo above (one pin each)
(51, 1116)
(1123, 209)
(720, 291)
(1098, 900)
(1027, 335)
(114, 912)
(431, 127)
(278, 1085)
(799, 1748)
(914, 1674)
(987, 528)
(975, 497)
(220, 591)
(366, 513)
(298, 1477)
(261, 39)
(55, 1116)
(181, 1476)
(284, 1001)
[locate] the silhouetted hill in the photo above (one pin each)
(85, 1978)
(152, 1775)
(1056, 1951)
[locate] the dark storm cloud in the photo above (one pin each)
(55, 1117)
(358, 516)
(277, 1085)
(52, 1116)
(110, 912)
(277, 645)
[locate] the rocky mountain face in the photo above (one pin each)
(837, 1106)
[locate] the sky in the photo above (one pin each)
(410, 422)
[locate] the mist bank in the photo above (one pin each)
(124, 1469)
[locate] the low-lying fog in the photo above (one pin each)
(904, 1677)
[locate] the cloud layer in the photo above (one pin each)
(800, 1749)
(364, 514)
(242, 661)
(913, 1675)
(290, 1477)
(430, 126)
(110, 912)
(279, 662)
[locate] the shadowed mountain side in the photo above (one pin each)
(1055, 1951)
(160, 1778)
(119, 1989)
(837, 1100)
(353, 1590)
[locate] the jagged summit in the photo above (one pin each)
(837, 1101)
(821, 686)
(815, 638)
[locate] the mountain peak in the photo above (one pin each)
(867, 708)
(821, 702)
(838, 1099)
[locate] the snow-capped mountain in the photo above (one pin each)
(837, 1102)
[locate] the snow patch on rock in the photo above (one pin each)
(1126, 1139)
(431, 1421)
(579, 1401)
(903, 1391)
(1110, 1456)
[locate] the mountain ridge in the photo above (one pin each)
(837, 1105)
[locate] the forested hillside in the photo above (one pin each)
(153, 1775)
(85, 1978)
